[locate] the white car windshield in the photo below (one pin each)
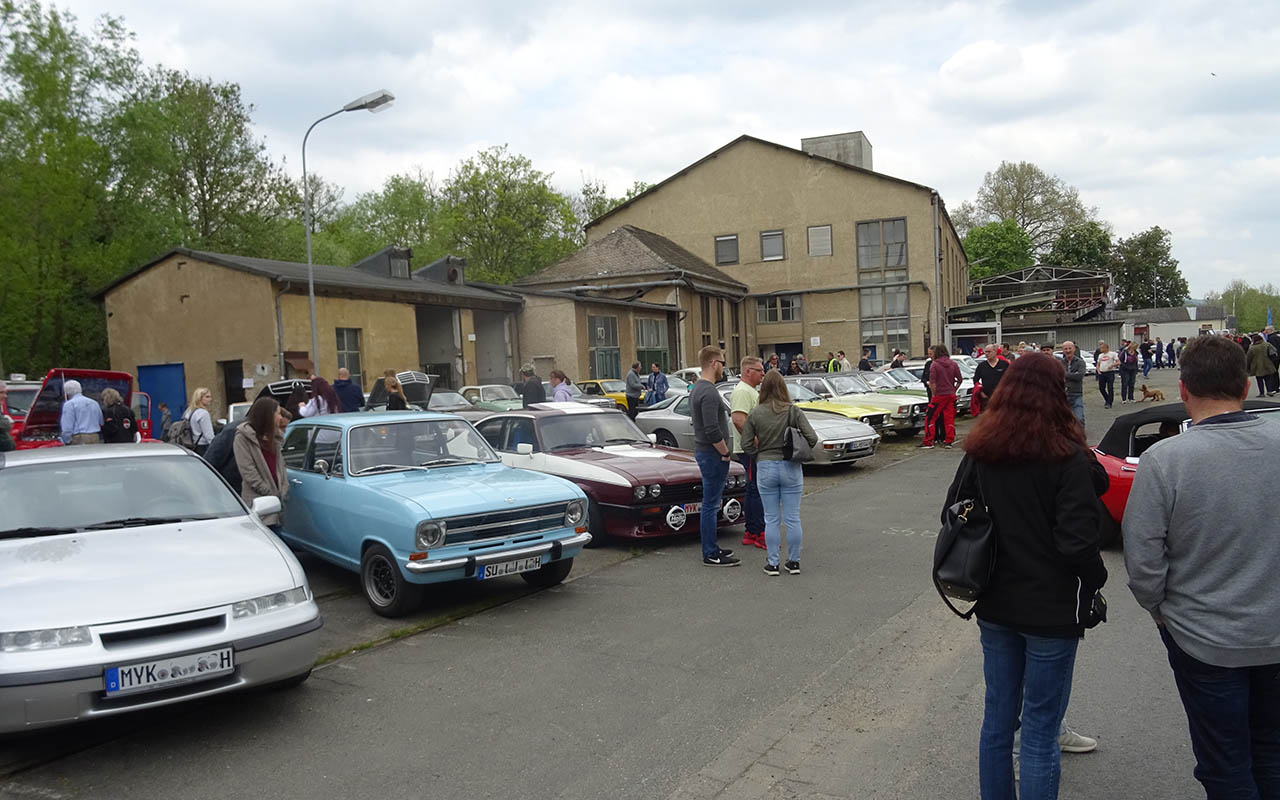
(67, 496)
(903, 376)
(387, 447)
(441, 400)
(589, 430)
(491, 393)
(849, 384)
(19, 401)
(799, 394)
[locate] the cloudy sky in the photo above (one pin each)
(1161, 113)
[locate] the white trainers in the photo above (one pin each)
(1071, 742)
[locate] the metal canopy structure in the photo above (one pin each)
(1075, 290)
(997, 307)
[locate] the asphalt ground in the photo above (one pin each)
(648, 675)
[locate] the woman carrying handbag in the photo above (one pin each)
(775, 433)
(1027, 465)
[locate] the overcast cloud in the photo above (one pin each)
(1116, 97)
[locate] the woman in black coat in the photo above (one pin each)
(119, 425)
(1027, 460)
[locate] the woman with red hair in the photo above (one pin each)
(1026, 459)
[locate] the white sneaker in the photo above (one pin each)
(1071, 742)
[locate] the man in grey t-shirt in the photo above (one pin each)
(1202, 559)
(711, 437)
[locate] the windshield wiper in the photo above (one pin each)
(19, 533)
(568, 446)
(133, 522)
(624, 440)
(445, 460)
(383, 468)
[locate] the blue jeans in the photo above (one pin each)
(715, 472)
(1028, 676)
(1077, 406)
(1128, 377)
(1146, 366)
(1234, 717)
(781, 484)
(753, 511)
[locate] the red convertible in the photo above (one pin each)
(44, 418)
(1122, 447)
(635, 488)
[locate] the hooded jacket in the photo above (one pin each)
(255, 477)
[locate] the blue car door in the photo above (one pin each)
(323, 483)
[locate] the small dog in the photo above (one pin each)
(1153, 394)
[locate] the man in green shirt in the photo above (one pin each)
(741, 401)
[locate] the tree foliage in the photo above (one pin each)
(1247, 303)
(996, 248)
(1145, 273)
(1042, 205)
(1084, 244)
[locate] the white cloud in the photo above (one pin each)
(1115, 97)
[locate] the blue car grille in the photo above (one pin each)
(527, 521)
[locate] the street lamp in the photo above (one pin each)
(372, 102)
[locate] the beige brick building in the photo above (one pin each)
(835, 255)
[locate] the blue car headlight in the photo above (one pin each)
(575, 514)
(430, 535)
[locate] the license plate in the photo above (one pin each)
(149, 675)
(859, 446)
(509, 567)
(693, 508)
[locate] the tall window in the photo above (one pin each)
(882, 243)
(349, 353)
(885, 311)
(727, 249)
(720, 329)
(706, 320)
(605, 358)
(820, 240)
(735, 332)
(772, 246)
(651, 343)
(779, 308)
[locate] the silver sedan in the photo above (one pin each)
(134, 577)
(841, 440)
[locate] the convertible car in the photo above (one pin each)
(407, 498)
(1121, 448)
(636, 489)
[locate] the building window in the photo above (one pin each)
(706, 320)
(882, 243)
(651, 344)
(735, 333)
(727, 249)
(779, 308)
(720, 329)
(885, 312)
(349, 353)
(605, 358)
(820, 240)
(772, 247)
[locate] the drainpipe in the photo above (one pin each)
(280, 327)
(937, 272)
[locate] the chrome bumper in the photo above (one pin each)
(462, 562)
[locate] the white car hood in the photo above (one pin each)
(97, 577)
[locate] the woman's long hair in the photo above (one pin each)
(262, 419)
(1028, 418)
(321, 388)
(392, 385)
(773, 391)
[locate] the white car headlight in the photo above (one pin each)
(430, 535)
(575, 513)
(655, 490)
(270, 602)
(641, 492)
(47, 639)
(904, 409)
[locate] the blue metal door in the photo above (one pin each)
(166, 383)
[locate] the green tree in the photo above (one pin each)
(1247, 303)
(594, 201)
(1145, 273)
(1084, 244)
(57, 89)
(996, 248)
(1041, 204)
(504, 216)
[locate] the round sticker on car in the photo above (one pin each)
(676, 518)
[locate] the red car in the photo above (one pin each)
(44, 418)
(635, 488)
(1122, 447)
(21, 394)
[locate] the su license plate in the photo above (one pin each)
(509, 567)
(163, 672)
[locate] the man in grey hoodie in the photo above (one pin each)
(1202, 558)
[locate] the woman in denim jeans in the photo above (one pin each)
(780, 481)
(1027, 462)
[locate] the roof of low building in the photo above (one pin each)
(1174, 314)
(629, 251)
(330, 277)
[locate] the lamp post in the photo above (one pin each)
(372, 102)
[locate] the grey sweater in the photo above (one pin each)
(710, 416)
(1076, 370)
(1202, 545)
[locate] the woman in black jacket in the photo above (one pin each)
(1027, 459)
(119, 425)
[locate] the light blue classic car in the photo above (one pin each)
(410, 498)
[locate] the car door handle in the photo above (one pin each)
(295, 481)
(1128, 469)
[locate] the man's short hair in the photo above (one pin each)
(709, 355)
(71, 388)
(1214, 367)
(749, 361)
(527, 369)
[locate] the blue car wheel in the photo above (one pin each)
(388, 593)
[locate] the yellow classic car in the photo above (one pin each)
(877, 418)
(613, 388)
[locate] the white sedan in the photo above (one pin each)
(134, 577)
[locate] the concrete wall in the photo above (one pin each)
(548, 336)
(388, 333)
(755, 187)
(189, 312)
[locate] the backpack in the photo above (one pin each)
(179, 433)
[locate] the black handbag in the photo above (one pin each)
(964, 554)
(794, 446)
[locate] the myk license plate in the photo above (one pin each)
(164, 672)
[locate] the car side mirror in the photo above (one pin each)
(524, 449)
(653, 438)
(1131, 460)
(322, 467)
(263, 506)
